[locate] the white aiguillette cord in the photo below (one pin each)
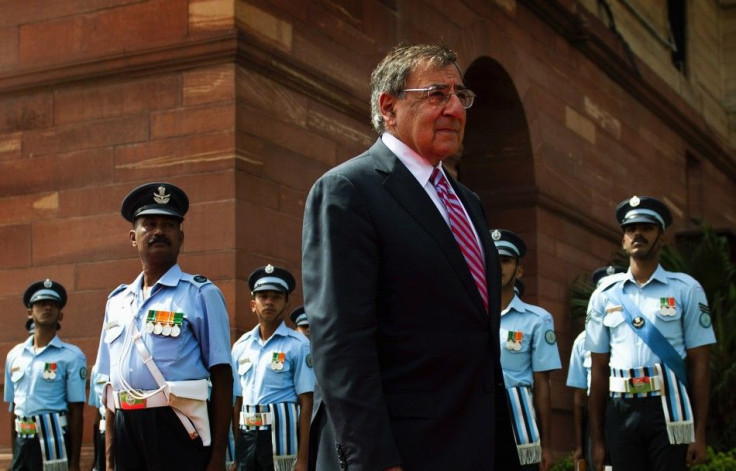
(155, 372)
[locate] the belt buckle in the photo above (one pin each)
(27, 427)
(128, 402)
(640, 385)
(254, 420)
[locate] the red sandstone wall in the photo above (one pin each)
(97, 97)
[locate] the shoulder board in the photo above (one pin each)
(72, 348)
(536, 310)
(14, 350)
(679, 276)
(116, 291)
(298, 335)
(243, 338)
(609, 281)
(196, 280)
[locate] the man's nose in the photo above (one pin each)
(454, 107)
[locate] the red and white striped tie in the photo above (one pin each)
(463, 232)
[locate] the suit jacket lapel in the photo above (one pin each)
(402, 185)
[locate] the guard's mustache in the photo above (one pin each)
(157, 239)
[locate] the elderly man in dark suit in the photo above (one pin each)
(401, 282)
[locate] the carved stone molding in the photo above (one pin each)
(595, 41)
(180, 56)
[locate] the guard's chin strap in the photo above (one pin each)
(659, 234)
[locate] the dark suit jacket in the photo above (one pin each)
(406, 357)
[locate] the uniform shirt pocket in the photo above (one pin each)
(18, 369)
(614, 319)
(112, 332)
(669, 323)
(244, 365)
(278, 375)
(515, 350)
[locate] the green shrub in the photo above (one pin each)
(564, 465)
(721, 461)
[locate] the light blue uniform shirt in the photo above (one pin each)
(202, 343)
(674, 302)
(44, 381)
(258, 377)
(578, 374)
(528, 343)
(97, 383)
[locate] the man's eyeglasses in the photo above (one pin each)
(439, 95)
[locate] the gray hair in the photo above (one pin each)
(391, 73)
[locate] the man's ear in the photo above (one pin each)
(386, 104)
(519, 271)
(131, 236)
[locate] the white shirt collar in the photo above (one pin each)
(411, 160)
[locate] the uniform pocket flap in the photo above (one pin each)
(613, 318)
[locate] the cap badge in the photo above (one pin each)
(634, 201)
(48, 283)
(496, 234)
(160, 196)
(610, 270)
(269, 268)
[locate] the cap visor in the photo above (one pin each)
(269, 287)
(159, 212)
(45, 297)
(641, 219)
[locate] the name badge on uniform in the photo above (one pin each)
(667, 306)
(513, 341)
(613, 309)
(277, 361)
(111, 324)
(244, 365)
(49, 371)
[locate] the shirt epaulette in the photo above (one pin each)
(683, 277)
(116, 291)
(246, 336)
(610, 280)
(73, 348)
(196, 280)
(14, 351)
(537, 310)
(299, 336)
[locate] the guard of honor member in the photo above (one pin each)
(165, 338)
(45, 383)
(640, 327)
(578, 378)
(274, 381)
(528, 354)
(300, 320)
